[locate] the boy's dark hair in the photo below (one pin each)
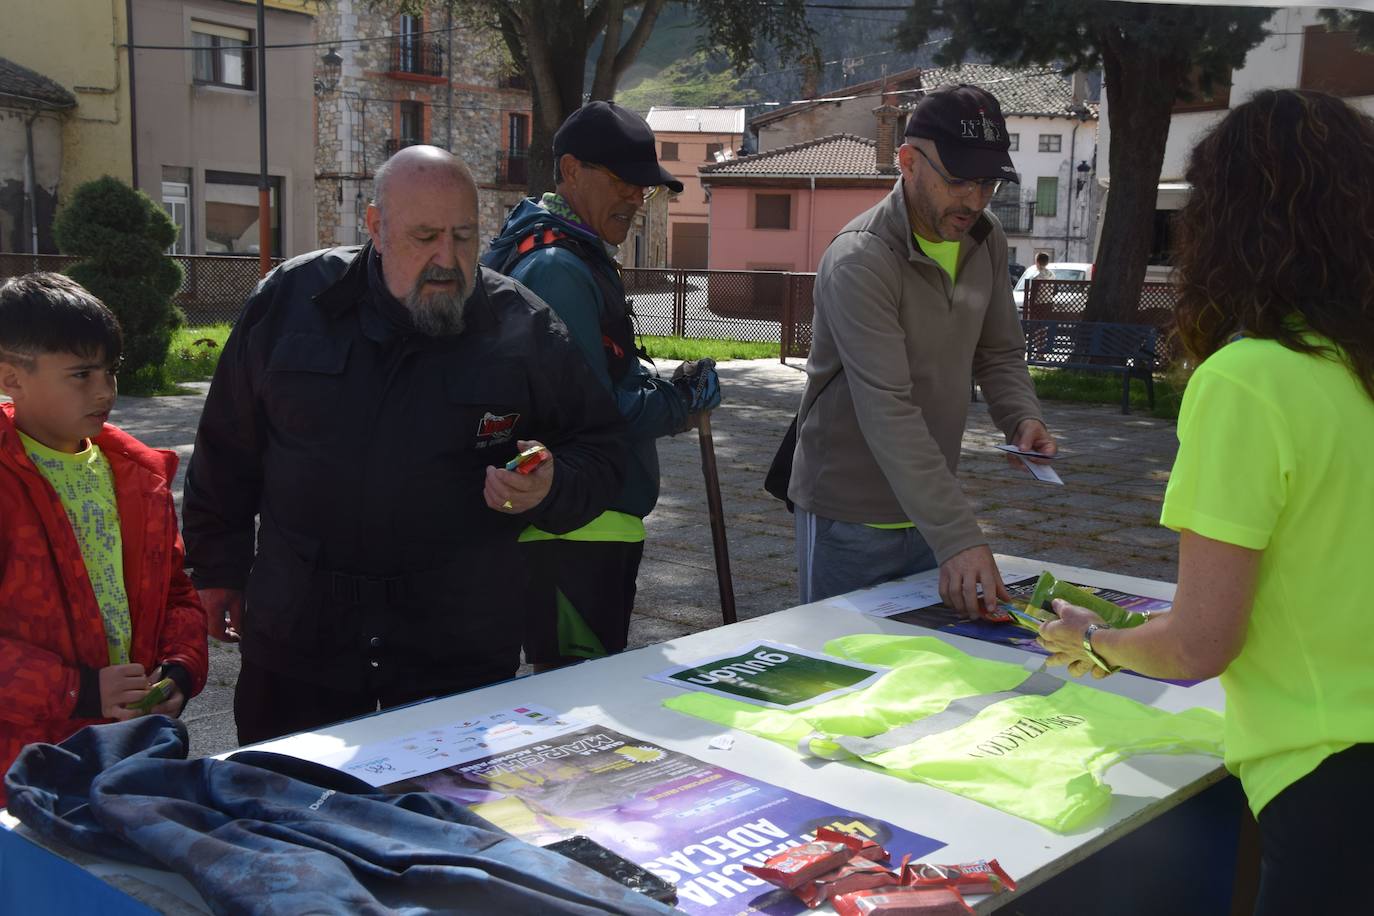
(1042, 259)
(49, 313)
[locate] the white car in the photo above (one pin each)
(1062, 270)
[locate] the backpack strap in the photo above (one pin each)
(616, 321)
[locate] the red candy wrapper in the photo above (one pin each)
(982, 877)
(855, 875)
(902, 901)
(793, 867)
(862, 847)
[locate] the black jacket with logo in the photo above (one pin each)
(361, 447)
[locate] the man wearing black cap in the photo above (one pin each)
(582, 584)
(912, 300)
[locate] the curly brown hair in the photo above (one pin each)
(1279, 225)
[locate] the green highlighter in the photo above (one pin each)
(1048, 587)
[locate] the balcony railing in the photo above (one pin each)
(512, 167)
(1017, 217)
(396, 144)
(417, 57)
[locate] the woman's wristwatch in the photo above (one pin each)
(1088, 648)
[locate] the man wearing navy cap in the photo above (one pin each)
(912, 301)
(582, 584)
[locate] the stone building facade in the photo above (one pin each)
(413, 79)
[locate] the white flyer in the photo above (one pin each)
(459, 742)
(892, 597)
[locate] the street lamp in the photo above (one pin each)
(1083, 169)
(328, 80)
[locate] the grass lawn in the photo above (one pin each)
(192, 358)
(697, 347)
(1105, 388)
(195, 351)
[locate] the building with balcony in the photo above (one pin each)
(395, 80)
(687, 139)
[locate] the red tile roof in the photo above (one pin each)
(838, 155)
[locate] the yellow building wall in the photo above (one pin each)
(74, 42)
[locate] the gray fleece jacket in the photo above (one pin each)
(880, 444)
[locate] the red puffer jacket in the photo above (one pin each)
(50, 624)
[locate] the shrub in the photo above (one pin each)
(122, 236)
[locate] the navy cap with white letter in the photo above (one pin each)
(968, 130)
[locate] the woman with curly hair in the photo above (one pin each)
(1273, 487)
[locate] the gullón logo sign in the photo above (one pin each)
(773, 674)
(762, 661)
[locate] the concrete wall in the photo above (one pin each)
(736, 245)
(853, 116)
(74, 42)
(15, 232)
(215, 128)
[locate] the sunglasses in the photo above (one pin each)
(961, 187)
(621, 184)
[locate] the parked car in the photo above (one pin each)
(1014, 271)
(1062, 270)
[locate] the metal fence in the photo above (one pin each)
(768, 306)
(213, 288)
(1067, 300)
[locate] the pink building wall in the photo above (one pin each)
(736, 245)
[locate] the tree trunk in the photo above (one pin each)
(555, 43)
(1140, 85)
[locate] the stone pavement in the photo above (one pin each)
(1106, 516)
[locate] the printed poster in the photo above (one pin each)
(430, 749)
(772, 674)
(946, 619)
(692, 823)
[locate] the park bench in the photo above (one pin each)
(1096, 346)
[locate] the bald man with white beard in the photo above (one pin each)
(360, 418)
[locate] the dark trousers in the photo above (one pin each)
(597, 577)
(268, 705)
(1317, 841)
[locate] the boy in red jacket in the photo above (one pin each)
(94, 605)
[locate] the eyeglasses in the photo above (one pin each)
(961, 187)
(621, 185)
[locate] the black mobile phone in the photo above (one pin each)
(616, 867)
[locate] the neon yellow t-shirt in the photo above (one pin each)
(85, 485)
(1275, 454)
(946, 254)
(620, 527)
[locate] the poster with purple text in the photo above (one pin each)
(691, 823)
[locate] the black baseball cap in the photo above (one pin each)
(969, 131)
(603, 133)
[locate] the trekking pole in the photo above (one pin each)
(713, 503)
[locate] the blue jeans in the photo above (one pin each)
(837, 557)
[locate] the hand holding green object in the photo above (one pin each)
(157, 694)
(1047, 588)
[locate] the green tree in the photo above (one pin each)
(121, 236)
(1151, 54)
(549, 42)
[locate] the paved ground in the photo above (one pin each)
(1106, 517)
